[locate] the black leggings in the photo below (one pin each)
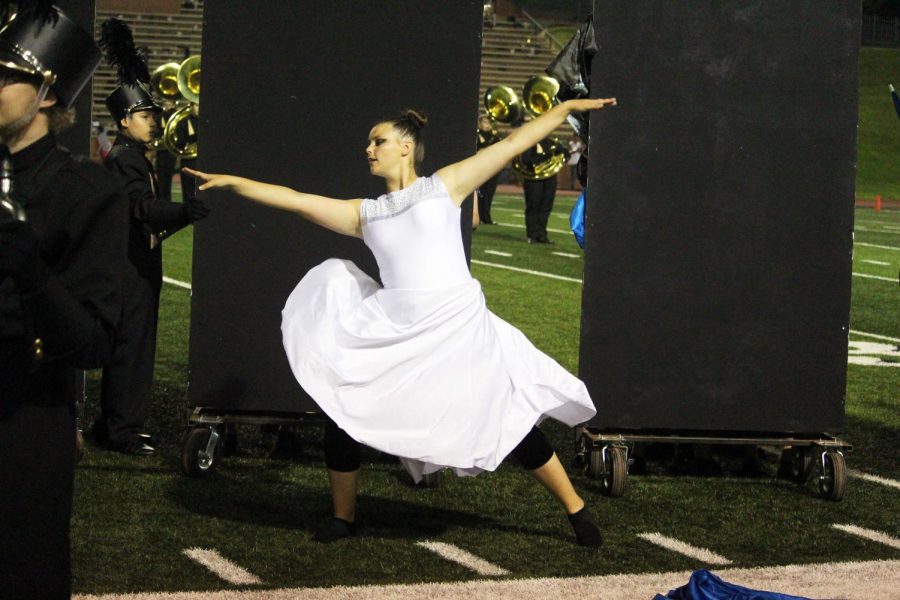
(342, 451)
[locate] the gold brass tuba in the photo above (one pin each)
(545, 169)
(502, 104)
(164, 81)
(189, 79)
(539, 94)
(180, 134)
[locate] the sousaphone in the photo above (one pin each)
(180, 134)
(164, 81)
(503, 105)
(538, 96)
(189, 79)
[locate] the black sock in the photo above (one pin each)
(587, 532)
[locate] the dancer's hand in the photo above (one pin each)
(211, 180)
(585, 104)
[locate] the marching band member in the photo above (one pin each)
(128, 378)
(60, 293)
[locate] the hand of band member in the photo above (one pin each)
(584, 104)
(194, 209)
(20, 256)
(211, 180)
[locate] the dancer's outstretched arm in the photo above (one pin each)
(341, 216)
(464, 177)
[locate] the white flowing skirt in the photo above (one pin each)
(430, 376)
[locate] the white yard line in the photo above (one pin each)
(883, 229)
(176, 283)
(875, 335)
(461, 557)
(863, 580)
(702, 554)
(878, 277)
(498, 253)
(874, 478)
(891, 227)
(870, 534)
(876, 246)
(222, 567)
(878, 262)
(567, 254)
(529, 271)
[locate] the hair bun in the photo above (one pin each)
(418, 119)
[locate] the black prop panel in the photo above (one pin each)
(289, 94)
(720, 215)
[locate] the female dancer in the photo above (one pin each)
(420, 368)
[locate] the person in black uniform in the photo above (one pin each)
(128, 378)
(487, 136)
(61, 259)
(539, 193)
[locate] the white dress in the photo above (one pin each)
(420, 368)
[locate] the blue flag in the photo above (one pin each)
(576, 219)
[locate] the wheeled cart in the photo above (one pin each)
(209, 433)
(607, 456)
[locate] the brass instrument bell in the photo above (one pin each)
(502, 104)
(181, 139)
(189, 78)
(539, 94)
(543, 170)
(164, 81)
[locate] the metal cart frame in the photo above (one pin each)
(607, 456)
(205, 439)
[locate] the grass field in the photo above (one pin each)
(134, 517)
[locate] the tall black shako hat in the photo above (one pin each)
(43, 42)
(133, 93)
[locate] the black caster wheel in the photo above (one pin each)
(594, 464)
(834, 476)
(615, 473)
(201, 452)
(796, 464)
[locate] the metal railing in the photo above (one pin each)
(880, 31)
(543, 30)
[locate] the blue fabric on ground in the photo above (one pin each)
(896, 99)
(576, 219)
(703, 585)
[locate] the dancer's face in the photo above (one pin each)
(386, 150)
